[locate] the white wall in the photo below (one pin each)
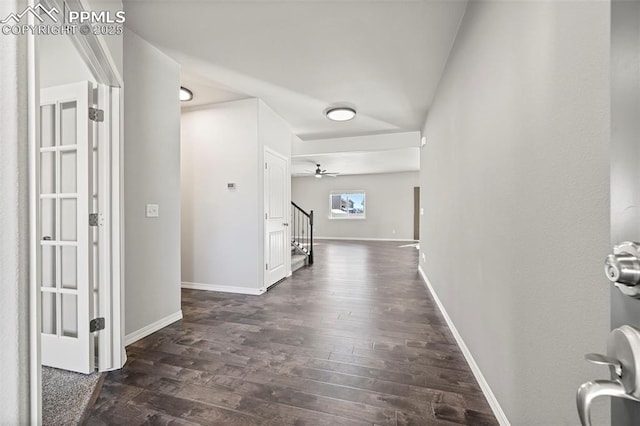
(221, 232)
(273, 131)
(275, 134)
(382, 142)
(222, 229)
(388, 204)
(151, 175)
(514, 182)
(60, 63)
(17, 386)
(113, 43)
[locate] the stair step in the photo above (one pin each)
(297, 262)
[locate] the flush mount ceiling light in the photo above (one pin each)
(341, 113)
(185, 94)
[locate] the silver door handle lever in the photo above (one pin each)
(589, 391)
(605, 360)
(623, 359)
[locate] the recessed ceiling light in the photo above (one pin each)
(341, 113)
(185, 94)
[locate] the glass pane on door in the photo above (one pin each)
(48, 259)
(48, 218)
(47, 125)
(68, 134)
(67, 172)
(69, 267)
(69, 315)
(48, 313)
(48, 173)
(68, 219)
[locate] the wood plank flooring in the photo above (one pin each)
(354, 339)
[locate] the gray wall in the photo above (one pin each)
(515, 184)
(151, 176)
(388, 204)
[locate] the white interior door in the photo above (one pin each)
(64, 257)
(625, 171)
(276, 207)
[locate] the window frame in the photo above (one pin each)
(348, 216)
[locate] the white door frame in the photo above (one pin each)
(94, 52)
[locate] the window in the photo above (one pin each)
(347, 205)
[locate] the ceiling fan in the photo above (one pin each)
(319, 172)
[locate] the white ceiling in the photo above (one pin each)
(356, 163)
(391, 152)
(383, 57)
(206, 91)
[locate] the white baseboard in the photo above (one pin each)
(486, 389)
(224, 288)
(152, 328)
(363, 239)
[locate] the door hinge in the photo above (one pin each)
(265, 165)
(96, 114)
(266, 266)
(96, 219)
(96, 324)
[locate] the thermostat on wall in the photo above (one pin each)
(153, 210)
(231, 185)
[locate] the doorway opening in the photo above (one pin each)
(76, 234)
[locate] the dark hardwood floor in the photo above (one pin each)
(353, 340)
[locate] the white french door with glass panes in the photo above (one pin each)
(66, 252)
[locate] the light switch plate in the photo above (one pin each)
(421, 211)
(153, 210)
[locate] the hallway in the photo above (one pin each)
(353, 340)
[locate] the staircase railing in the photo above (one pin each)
(302, 231)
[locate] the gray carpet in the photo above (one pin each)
(65, 395)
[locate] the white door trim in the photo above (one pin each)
(111, 340)
(33, 118)
(117, 228)
(92, 48)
